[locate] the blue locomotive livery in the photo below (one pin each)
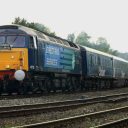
(32, 61)
(58, 57)
(52, 56)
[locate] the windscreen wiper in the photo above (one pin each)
(5, 46)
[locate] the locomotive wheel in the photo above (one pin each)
(10, 87)
(48, 85)
(74, 86)
(69, 85)
(34, 86)
(99, 84)
(1, 87)
(63, 85)
(20, 90)
(53, 87)
(108, 86)
(25, 87)
(125, 83)
(41, 86)
(82, 85)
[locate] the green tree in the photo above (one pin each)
(17, 20)
(102, 44)
(71, 37)
(83, 39)
(113, 52)
(36, 26)
(41, 27)
(123, 55)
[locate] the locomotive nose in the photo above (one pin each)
(19, 75)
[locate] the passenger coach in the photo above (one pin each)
(97, 69)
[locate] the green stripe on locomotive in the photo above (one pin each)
(59, 59)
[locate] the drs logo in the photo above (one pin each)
(58, 57)
(52, 56)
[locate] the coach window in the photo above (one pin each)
(99, 61)
(31, 42)
(96, 60)
(92, 60)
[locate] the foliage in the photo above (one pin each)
(101, 44)
(36, 26)
(83, 39)
(71, 37)
(113, 52)
(123, 55)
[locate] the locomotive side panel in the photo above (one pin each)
(58, 59)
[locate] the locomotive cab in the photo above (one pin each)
(13, 55)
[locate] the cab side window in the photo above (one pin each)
(31, 42)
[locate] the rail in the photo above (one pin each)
(21, 110)
(115, 124)
(52, 123)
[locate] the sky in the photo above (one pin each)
(98, 18)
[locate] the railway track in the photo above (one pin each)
(21, 110)
(16, 96)
(122, 123)
(64, 121)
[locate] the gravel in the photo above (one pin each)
(62, 114)
(60, 97)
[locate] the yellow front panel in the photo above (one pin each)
(16, 58)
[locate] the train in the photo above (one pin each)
(34, 61)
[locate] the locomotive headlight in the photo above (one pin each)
(19, 75)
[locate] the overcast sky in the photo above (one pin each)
(98, 18)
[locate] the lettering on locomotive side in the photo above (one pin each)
(58, 57)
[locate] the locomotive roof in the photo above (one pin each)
(52, 38)
(41, 35)
(104, 54)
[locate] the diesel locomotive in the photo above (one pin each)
(32, 61)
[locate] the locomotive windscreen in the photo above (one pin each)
(13, 41)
